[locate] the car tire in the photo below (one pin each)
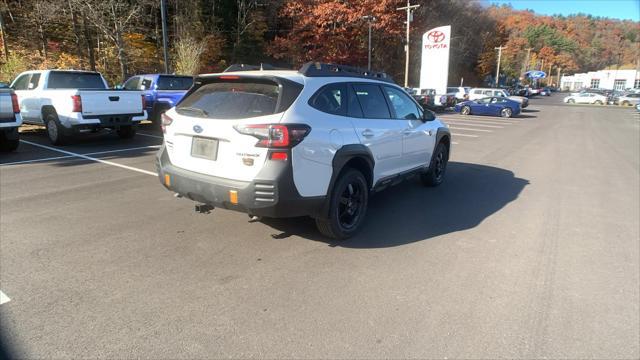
(506, 113)
(8, 145)
(126, 132)
(571, 101)
(597, 102)
(55, 131)
(156, 113)
(347, 206)
(466, 110)
(625, 103)
(434, 176)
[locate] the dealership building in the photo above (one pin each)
(603, 79)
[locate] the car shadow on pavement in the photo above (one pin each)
(411, 212)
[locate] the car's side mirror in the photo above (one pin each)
(119, 87)
(428, 116)
(31, 86)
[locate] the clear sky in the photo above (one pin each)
(617, 9)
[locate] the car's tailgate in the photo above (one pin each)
(100, 102)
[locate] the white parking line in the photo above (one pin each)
(469, 129)
(466, 135)
(3, 298)
(90, 158)
(472, 123)
(455, 143)
(71, 156)
(479, 118)
(149, 135)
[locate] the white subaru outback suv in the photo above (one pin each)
(315, 142)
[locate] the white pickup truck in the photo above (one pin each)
(68, 102)
(10, 120)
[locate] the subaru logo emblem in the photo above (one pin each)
(197, 129)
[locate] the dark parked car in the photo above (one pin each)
(495, 106)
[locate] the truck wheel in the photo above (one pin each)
(8, 144)
(157, 112)
(127, 132)
(347, 206)
(55, 130)
(506, 113)
(465, 110)
(437, 168)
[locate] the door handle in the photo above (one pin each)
(407, 132)
(367, 133)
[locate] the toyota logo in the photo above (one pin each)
(197, 129)
(435, 36)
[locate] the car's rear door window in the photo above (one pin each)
(174, 82)
(75, 80)
(22, 82)
(231, 100)
(372, 101)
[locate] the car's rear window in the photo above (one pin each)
(75, 80)
(231, 100)
(452, 90)
(174, 82)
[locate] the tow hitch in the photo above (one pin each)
(204, 208)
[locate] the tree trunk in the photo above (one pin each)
(122, 56)
(76, 34)
(4, 38)
(43, 39)
(89, 44)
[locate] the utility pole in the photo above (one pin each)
(499, 48)
(165, 50)
(408, 8)
(550, 77)
(526, 62)
(370, 19)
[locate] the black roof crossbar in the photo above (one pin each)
(247, 67)
(317, 69)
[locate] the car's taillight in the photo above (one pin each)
(275, 135)
(77, 103)
(144, 103)
(166, 121)
(14, 102)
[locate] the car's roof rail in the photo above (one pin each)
(317, 69)
(248, 67)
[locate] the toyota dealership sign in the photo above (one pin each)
(434, 71)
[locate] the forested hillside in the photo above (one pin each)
(124, 37)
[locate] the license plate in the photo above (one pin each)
(204, 148)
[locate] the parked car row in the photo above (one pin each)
(71, 102)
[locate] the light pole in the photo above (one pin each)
(408, 8)
(370, 19)
(165, 51)
(500, 48)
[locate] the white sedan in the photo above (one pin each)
(586, 98)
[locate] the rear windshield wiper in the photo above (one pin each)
(193, 109)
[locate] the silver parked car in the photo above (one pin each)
(630, 99)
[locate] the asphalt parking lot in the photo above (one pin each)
(529, 250)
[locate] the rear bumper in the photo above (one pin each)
(271, 194)
(78, 120)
